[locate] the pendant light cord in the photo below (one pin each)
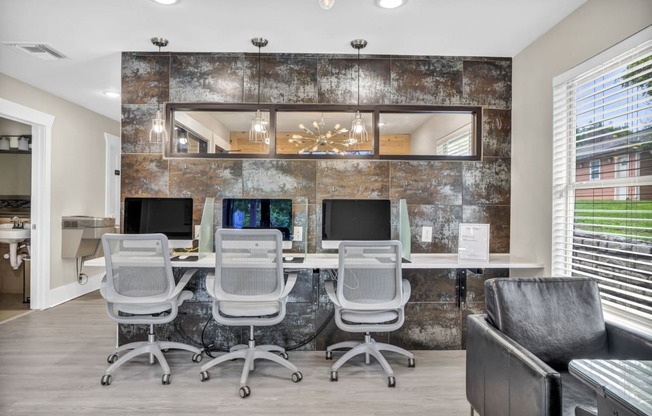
(358, 79)
(258, 75)
(158, 102)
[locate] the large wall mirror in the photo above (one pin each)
(324, 131)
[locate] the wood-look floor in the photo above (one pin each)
(51, 363)
(12, 306)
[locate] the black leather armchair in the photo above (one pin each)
(518, 353)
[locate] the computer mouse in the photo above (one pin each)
(288, 258)
(183, 257)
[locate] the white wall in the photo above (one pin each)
(78, 161)
(592, 28)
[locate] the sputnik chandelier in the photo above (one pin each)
(320, 140)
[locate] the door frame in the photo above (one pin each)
(112, 181)
(40, 214)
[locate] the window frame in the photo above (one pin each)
(566, 185)
(374, 110)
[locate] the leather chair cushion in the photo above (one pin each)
(557, 319)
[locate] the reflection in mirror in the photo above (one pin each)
(225, 132)
(320, 133)
(428, 134)
(185, 141)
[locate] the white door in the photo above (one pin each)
(112, 177)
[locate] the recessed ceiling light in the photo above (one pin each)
(390, 4)
(166, 1)
(111, 94)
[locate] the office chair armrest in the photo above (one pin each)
(330, 291)
(210, 284)
(183, 282)
(103, 287)
(289, 284)
(407, 291)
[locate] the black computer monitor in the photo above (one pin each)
(169, 216)
(354, 219)
(261, 213)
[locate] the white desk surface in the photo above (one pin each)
(419, 261)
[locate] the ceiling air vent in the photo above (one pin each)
(40, 50)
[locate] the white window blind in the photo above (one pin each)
(456, 143)
(602, 177)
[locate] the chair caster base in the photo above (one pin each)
(391, 381)
(106, 380)
(244, 392)
(297, 377)
(333, 375)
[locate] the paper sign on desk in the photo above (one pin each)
(474, 242)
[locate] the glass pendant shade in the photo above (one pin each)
(158, 134)
(259, 132)
(183, 138)
(358, 132)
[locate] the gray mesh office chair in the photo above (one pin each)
(249, 290)
(370, 297)
(139, 289)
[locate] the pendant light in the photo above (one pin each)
(158, 134)
(259, 132)
(326, 4)
(358, 132)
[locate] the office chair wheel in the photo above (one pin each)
(333, 375)
(297, 377)
(166, 379)
(198, 357)
(284, 355)
(106, 380)
(245, 392)
(411, 362)
(112, 358)
(203, 376)
(391, 382)
(329, 355)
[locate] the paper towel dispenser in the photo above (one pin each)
(81, 235)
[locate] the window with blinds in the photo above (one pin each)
(456, 143)
(602, 176)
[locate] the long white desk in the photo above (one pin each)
(418, 261)
(439, 301)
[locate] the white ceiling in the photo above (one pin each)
(93, 33)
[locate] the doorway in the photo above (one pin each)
(41, 127)
(15, 196)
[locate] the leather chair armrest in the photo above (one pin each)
(628, 344)
(504, 378)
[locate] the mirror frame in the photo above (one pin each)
(273, 109)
